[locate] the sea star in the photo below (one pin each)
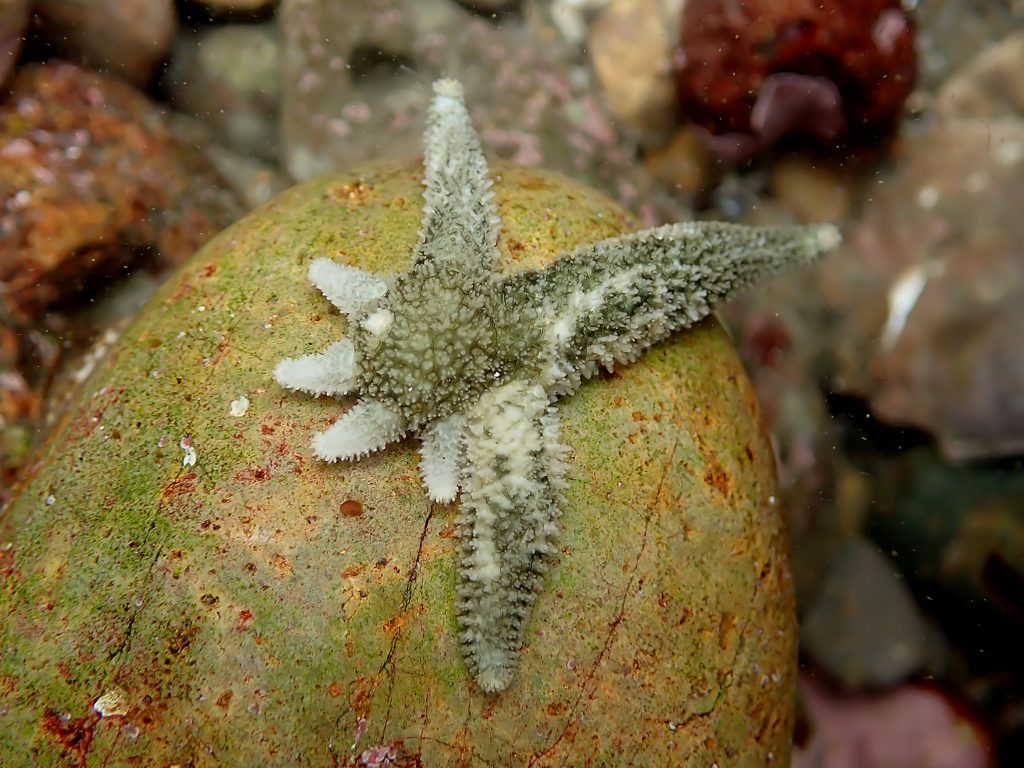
(470, 360)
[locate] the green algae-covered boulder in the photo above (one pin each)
(184, 583)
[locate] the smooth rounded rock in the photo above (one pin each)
(184, 583)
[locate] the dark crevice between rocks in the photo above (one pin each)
(863, 434)
(373, 68)
(924, 509)
(512, 11)
(196, 15)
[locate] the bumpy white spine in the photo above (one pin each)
(368, 427)
(441, 457)
(331, 372)
(349, 289)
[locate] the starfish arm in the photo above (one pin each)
(609, 301)
(511, 498)
(331, 372)
(349, 289)
(367, 427)
(441, 457)
(460, 221)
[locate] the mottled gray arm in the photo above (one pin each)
(460, 221)
(511, 498)
(607, 302)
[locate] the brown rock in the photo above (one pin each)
(632, 57)
(13, 21)
(93, 176)
(814, 191)
(990, 85)
(236, 7)
(127, 37)
(684, 162)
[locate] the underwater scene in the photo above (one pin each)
(415, 383)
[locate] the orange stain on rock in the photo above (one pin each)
(244, 617)
(280, 564)
(718, 478)
(74, 735)
(185, 484)
(351, 508)
(726, 630)
(353, 194)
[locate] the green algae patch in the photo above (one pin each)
(184, 583)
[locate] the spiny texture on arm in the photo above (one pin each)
(469, 360)
(507, 524)
(605, 303)
(460, 221)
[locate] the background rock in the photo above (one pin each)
(94, 177)
(830, 74)
(951, 34)
(863, 627)
(957, 533)
(990, 85)
(490, 6)
(236, 7)
(129, 38)
(914, 727)
(360, 92)
(14, 17)
(230, 76)
(941, 290)
(631, 52)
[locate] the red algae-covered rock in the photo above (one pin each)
(92, 175)
(911, 727)
(834, 72)
(184, 583)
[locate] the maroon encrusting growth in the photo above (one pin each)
(834, 73)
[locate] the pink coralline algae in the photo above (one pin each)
(378, 757)
(830, 73)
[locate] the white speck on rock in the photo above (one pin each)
(113, 703)
(240, 406)
(189, 459)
